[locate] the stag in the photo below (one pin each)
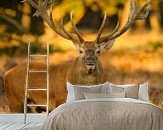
(85, 70)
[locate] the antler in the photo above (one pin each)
(136, 13)
(101, 29)
(41, 10)
(75, 29)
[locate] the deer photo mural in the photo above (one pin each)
(85, 70)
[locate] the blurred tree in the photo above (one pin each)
(161, 13)
(17, 24)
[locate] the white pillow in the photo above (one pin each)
(71, 90)
(121, 85)
(103, 95)
(143, 90)
(71, 93)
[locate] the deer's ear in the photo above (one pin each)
(107, 45)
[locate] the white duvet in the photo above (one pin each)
(106, 114)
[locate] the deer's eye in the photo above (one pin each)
(80, 51)
(98, 52)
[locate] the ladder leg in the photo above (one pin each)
(26, 87)
(25, 111)
(47, 109)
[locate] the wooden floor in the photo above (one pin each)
(16, 121)
(17, 126)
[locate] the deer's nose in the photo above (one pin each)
(90, 60)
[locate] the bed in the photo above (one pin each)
(105, 114)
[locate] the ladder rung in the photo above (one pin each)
(36, 105)
(37, 89)
(37, 55)
(41, 71)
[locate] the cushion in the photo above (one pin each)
(79, 91)
(76, 92)
(71, 93)
(106, 89)
(103, 95)
(143, 92)
(131, 91)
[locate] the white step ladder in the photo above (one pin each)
(36, 89)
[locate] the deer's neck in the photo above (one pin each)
(78, 74)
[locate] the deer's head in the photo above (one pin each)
(89, 51)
